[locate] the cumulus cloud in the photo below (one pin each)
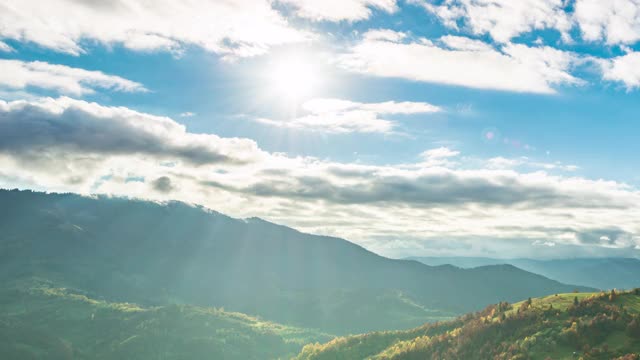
(65, 125)
(343, 116)
(18, 75)
(232, 28)
(615, 21)
(442, 156)
(612, 22)
(463, 62)
(624, 69)
(502, 19)
(440, 153)
(337, 10)
(70, 145)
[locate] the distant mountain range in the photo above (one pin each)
(600, 273)
(155, 254)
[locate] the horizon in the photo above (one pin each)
(410, 127)
(412, 257)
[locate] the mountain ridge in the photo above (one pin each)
(154, 254)
(601, 273)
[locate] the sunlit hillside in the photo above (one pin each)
(585, 326)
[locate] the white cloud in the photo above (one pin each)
(337, 10)
(624, 69)
(464, 43)
(384, 34)
(612, 21)
(512, 163)
(440, 153)
(343, 116)
(438, 157)
(463, 62)
(35, 129)
(70, 145)
(4, 47)
(19, 75)
(187, 114)
(502, 19)
(232, 28)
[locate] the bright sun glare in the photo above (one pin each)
(294, 77)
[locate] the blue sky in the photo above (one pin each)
(525, 113)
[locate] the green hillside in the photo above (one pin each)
(564, 326)
(41, 321)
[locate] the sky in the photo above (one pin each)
(492, 128)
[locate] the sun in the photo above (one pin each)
(293, 77)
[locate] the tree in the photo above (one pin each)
(633, 329)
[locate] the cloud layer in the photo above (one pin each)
(70, 145)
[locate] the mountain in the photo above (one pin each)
(563, 326)
(152, 254)
(600, 273)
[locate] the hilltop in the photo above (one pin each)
(585, 326)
